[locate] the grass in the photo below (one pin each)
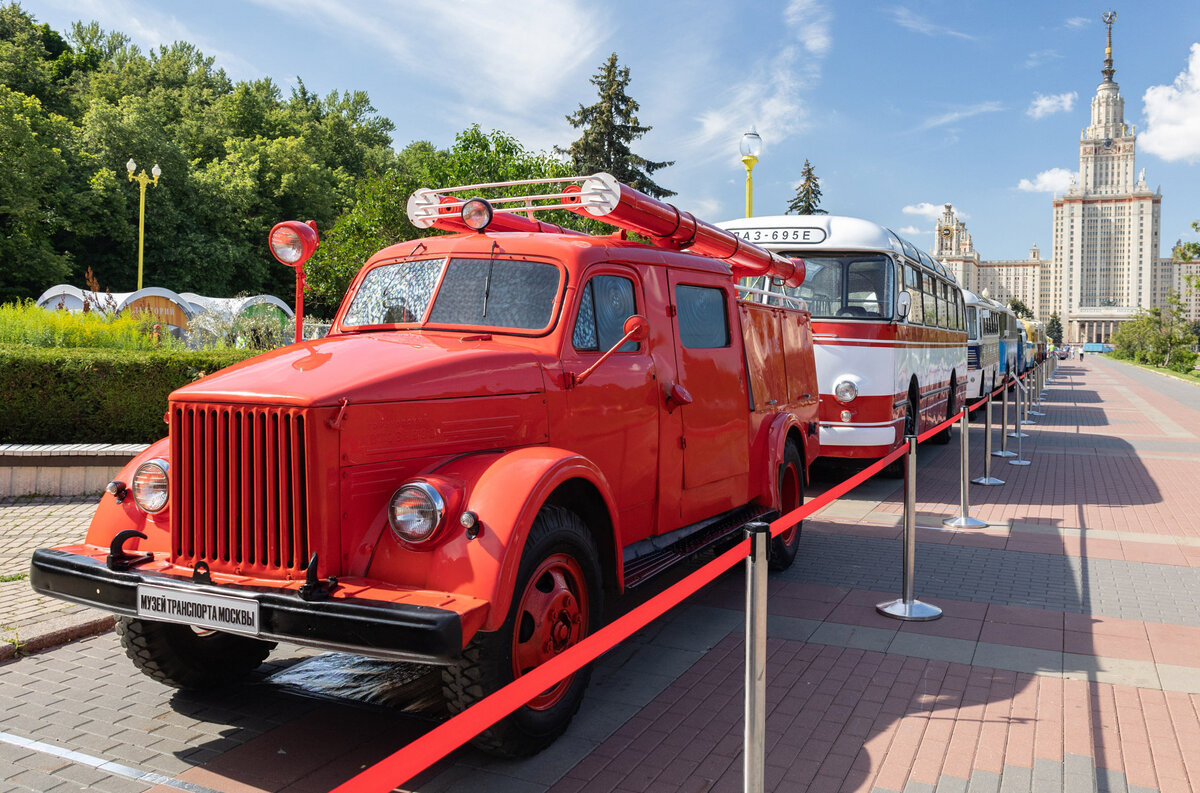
(27, 323)
(8, 579)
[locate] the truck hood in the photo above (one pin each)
(373, 367)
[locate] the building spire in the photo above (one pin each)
(1108, 18)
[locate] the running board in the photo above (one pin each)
(642, 568)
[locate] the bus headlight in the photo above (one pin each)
(151, 486)
(845, 391)
(416, 511)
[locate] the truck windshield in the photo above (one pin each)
(492, 293)
(851, 285)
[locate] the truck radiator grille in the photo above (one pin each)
(239, 495)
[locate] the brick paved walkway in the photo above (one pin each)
(30, 621)
(1068, 658)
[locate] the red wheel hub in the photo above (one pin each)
(552, 615)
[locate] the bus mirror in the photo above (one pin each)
(903, 304)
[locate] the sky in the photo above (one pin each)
(900, 107)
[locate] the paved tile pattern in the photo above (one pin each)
(27, 618)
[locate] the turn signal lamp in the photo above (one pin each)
(477, 214)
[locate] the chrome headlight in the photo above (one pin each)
(845, 391)
(151, 486)
(415, 511)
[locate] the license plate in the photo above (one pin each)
(201, 610)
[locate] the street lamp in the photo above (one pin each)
(750, 147)
(142, 180)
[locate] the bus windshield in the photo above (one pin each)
(848, 285)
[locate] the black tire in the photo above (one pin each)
(182, 657)
(943, 437)
(895, 469)
(782, 550)
(488, 661)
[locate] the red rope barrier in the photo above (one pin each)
(423, 752)
(945, 424)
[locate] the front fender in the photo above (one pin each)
(505, 492)
(111, 517)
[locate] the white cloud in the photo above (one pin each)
(919, 24)
(770, 98)
(1173, 115)
(1044, 105)
(1075, 23)
(1055, 180)
(924, 209)
(911, 230)
(1036, 59)
(528, 56)
(961, 113)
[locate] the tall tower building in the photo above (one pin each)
(1105, 248)
(955, 249)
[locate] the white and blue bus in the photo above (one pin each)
(983, 346)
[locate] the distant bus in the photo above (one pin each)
(983, 346)
(889, 328)
(1009, 339)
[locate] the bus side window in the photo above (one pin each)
(931, 306)
(943, 307)
(912, 283)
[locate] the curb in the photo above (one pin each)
(58, 631)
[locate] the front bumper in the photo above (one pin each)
(394, 631)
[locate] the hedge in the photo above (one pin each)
(88, 395)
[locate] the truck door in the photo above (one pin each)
(614, 413)
(710, 368)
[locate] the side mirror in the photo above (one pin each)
(636, 327)
(903, 304)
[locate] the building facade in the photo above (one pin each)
(1104, 265)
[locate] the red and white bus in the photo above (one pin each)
(889, 326)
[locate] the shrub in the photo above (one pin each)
(66, 395)
(27, 323)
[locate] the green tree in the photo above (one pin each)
(609, 127)
(1019, 308)
(1188, 251)
(1158, 337)
(1054, 329)
(378, 217)
(807, 200)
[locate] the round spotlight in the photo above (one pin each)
(477, 214)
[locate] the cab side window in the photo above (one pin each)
(604, 305)
(703, 320)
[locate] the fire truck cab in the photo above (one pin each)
(503, 424)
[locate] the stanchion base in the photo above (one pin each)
(1037, 413)
(1027, 423)
(1018, 434)
(1018, 462)
(916, 611)
(964, 522)
(988, 480)
(1007, 454)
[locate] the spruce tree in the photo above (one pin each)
(609, 126)
(808, 195)
(1054, 328)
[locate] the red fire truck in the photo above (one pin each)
(504, 424)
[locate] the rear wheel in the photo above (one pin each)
(557, 601)
(184, 657)
(782, 551)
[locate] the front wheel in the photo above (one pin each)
(188, 658)
(782, 550)
(557, 601)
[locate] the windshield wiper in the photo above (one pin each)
(487, 282)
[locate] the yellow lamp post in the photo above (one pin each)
(142, 180)
(750, 147)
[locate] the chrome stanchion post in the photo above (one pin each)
(1004, 452)
(1039, 385)
(964, 520)
(987, 478)
(1020, 458)
(1016, 432)
(754, 754)
(908, 607)
(1027, 395)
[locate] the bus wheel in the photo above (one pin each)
(895, 469)
(557, 602)
(782, 550)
